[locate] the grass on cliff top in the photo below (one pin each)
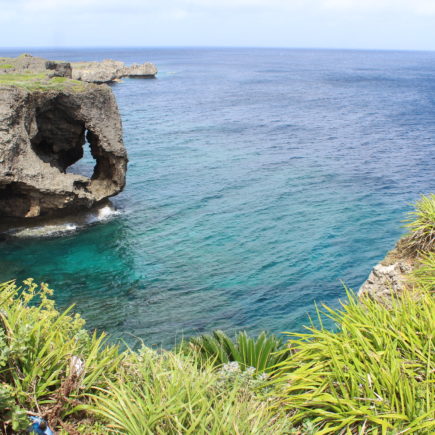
(40, 82)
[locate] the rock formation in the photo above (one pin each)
(386, 282)
(44, 124)
(110, 70)
(388, 279)
(29, 64)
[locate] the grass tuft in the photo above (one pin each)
(421, 223)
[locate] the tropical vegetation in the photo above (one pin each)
(373, 373)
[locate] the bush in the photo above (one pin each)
(47, 361)
(260, 352)
(376, 374)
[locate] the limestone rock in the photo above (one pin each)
(110, 70)
(97, 72)
(42, 133)
(385, 281)
(140, 70)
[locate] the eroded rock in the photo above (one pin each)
(42, 133)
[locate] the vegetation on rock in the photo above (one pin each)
(40, 82)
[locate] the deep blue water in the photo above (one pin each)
(258, 180)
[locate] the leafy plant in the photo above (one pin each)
(421, 224)
(376, 374)
(165, 393)
(260, 352)
(46, 358)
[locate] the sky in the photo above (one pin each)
(354, 24)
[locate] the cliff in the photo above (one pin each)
(45, 120)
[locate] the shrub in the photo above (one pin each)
(421, 224)
(376, 374)
(47, 360)
(260, 352)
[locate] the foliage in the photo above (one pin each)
(260, 352)
(51, 366)
(377, 373)
(423, 276)
(40, 349)
(165, 393)
(421, 223)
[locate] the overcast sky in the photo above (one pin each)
(373, 24)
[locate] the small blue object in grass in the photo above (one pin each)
(39, 426)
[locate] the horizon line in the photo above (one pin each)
(235, 47)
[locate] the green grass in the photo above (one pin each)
(40, 82)
(6, 66)
(165, 393)
(375, 375)
(421, 225)
(424, 275)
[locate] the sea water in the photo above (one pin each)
(260, 182)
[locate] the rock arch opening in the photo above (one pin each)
(66, 144)
(59, 138)
(86, 164)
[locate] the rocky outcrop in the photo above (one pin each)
(110, 70)
(43, 132)
(389, 278)
(386, 282)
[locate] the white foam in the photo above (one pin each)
(102, 214)
(45, 231)
(65, 227)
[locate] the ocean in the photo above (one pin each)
(261, 182)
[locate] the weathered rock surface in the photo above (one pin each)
(42, 133)
(386, 281)
(110, 70)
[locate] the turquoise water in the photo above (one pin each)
(259, 179)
